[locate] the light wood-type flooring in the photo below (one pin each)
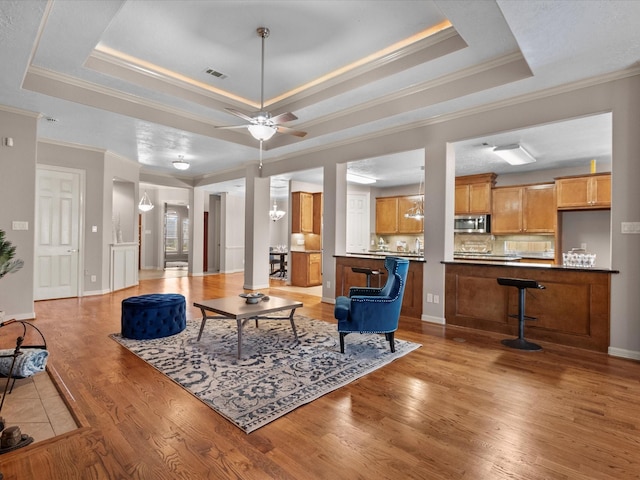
(460, 407)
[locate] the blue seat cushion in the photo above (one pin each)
(153, 315)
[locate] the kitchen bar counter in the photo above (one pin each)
(346, 278)
(413, 257)
(572, 310)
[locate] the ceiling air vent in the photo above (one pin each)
(215, 73)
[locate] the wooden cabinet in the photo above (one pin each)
(306, 269)
(301, 212)
(524, 209)
(473, 194)
(584, 192)
(386, 215)
(390, 217)
(538, 211)
(317, 213)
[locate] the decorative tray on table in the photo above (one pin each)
(252, 297)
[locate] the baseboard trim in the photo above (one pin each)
(621, 352)
(436, 320)
(332, 301)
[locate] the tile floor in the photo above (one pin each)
(36, 407)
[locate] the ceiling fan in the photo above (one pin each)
(262, 125)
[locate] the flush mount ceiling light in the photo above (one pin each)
(274, 213)
(181, 164)
(514, 154)
(352, 177)
(145, 203)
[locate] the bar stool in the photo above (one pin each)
(521, 284)
(368, 272)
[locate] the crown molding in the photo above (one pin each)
(19, 111)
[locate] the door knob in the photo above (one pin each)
(73, 250)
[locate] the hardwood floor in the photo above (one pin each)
(461, 407)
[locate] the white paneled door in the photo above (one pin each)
(357, 222)
(57, 233)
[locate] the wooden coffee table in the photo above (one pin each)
(236, 308)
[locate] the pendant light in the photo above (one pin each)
(145, 204)
(417, 211)
(275, 214)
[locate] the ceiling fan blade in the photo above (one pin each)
(283, 118)
(230, 127)
(290, 131)
(240, 114)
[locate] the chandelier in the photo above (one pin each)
(417, 211)
(274, 213)
(145, 203)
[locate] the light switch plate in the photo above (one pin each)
(630, 227)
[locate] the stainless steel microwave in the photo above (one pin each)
(472, 224)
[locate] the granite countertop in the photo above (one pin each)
(493, 263)
(379, 254)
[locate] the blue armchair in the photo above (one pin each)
(374, 310)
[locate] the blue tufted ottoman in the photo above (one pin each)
(153, 316)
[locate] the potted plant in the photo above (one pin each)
(7, 263)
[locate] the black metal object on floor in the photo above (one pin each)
(521, 284)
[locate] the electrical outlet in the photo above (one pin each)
(328, 283)
(429, 297)
(94, 278)
(436, 299)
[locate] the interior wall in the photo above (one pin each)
(17, 197)
(232, 249)
(124, 216)
(92, 162)
(591, 228)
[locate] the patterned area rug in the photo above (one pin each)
(275, 376)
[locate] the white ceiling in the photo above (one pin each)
(128, 76)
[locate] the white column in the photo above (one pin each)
(334, 234)
(256, 239)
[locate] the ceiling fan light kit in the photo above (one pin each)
(262, 132)
(514, 154)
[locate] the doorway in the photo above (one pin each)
(176, 236)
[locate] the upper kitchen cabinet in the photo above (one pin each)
(386, 215)
(524, 209)
(390, 219)
(584, 192)
(317, 213)
(302, 214)
(473, 193)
